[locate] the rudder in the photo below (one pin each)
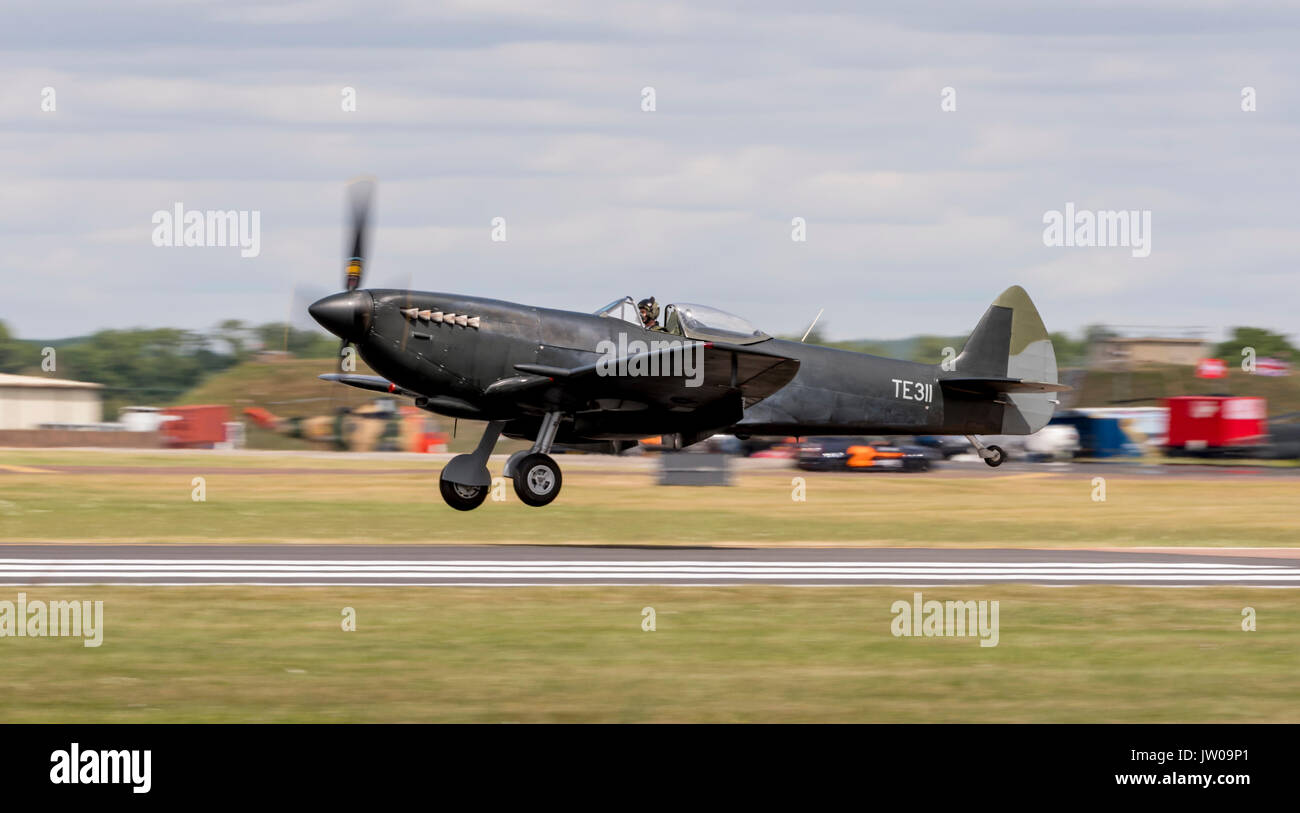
(1011, 342)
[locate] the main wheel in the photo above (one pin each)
(537, 480)
(462, 497)
(997, 457)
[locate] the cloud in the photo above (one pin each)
(468, 111)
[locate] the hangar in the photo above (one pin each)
(27, 401)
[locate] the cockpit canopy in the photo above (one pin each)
(710, 325)
(699, 322)
(623, 309)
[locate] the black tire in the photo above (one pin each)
(537, 480)
(462, 498)
(998, 457)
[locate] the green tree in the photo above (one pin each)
(238, 338)
(1069, 352)
(1095, 333)
(141, 365)
(930, 349)
(302, 343)
(13, 353)
(1267, 344)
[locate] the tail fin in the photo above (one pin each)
(1010, 355)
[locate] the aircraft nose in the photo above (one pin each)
(346, 315)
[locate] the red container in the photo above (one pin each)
(195, 427)
(1211, 368)
(1208, 421)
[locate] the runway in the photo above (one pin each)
(519, 565)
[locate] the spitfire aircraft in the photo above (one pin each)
(601, 381)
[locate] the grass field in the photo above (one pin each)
(570, 654)
(397, 501)
(579, 654)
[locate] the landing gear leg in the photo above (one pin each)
(536, 476)
(465, 480)
(992, 455)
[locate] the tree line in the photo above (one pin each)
(156, 365)
(1070, 351)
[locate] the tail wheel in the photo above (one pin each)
(537, 480)
(462, 497)
(996, 456)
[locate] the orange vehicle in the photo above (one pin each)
(862, 454)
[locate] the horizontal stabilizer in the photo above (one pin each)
(991, 385)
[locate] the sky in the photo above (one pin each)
(916, 216)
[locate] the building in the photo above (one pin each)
(1126, 353)
(27, 401)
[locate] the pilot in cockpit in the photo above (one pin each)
(649, 310)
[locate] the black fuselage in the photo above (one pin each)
(834, 392)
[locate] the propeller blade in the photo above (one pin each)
(360, 195)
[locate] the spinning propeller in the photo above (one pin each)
(360, 195)
(347, 314)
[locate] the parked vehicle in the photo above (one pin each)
(863, 454)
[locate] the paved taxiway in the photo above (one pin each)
(506, 565)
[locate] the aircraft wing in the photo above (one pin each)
(724, 380)
(717, 370)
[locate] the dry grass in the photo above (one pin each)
(613, 505)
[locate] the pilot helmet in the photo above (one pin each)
(650, 307)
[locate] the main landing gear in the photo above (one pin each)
(465, 480)
(992, 455)
(536, 476)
